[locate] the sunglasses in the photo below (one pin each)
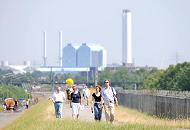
(106, 82)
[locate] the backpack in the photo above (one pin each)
(115, 97)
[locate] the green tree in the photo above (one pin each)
(183, 77)
(173, 78)
(106, 74)
(79, 79)
(152, 82)
(121, 77)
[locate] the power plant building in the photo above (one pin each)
(98, 56)
(69, 56)
(85, 56)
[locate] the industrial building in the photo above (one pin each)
(87, 56)
(84, 56)
(69, 56)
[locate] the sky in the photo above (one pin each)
(160, 29)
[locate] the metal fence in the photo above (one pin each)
(169, 104)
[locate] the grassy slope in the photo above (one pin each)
(41, 117)
(135, 117)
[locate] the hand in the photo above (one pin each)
(50, 99)
(70, 105)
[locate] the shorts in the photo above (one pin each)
(75, 108)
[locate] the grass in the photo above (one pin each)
(135, 117)
(41, 117)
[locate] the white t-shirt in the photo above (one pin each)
(108, 95)
(86, 93)
(58, 97)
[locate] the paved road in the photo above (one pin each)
(7, 117)
(85, 114)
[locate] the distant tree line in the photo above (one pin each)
(125, 78)
(173, 78)
(9, 78)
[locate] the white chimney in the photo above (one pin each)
(127, 37)
(60, 49)
(44, 49)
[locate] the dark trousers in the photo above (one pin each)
(97, 111)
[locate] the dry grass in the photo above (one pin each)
(48, 113)
(134, 117)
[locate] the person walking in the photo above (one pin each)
(27, 103)
(97, 103)
(86, 94)
(108, 95)
(75, 102)
(58, 98)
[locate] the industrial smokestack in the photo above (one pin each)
(60, 49)
(127, 37)
(44, 49)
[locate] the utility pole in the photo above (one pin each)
(176, 58)
(95, 76)
(52, 84)
(87, 76)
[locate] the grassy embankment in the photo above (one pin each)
(8, 91)
(135, 117)
(41, 117)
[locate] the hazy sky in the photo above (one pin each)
(161, 28)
